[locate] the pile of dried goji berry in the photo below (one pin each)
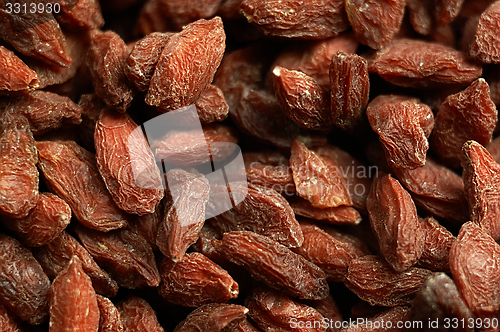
(367, 197)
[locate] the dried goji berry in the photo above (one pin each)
(71, 172)
(80, 15)
(179, 13)
(55, 256)
(135, 185)
(45, 110)
(485, 45)
(393, 217)
(314, 58)
(45, 221)
(438, 300)
(375, 22)
(474, 266)
(137, 315)
(306, 20)
(373, 280)
(36, 34)
(438, 241)
(467, 115)
(339, 215)
(25, 287)
(213, 317)
(271, 310)
(274, 264)
(198, 50)
(419, 64)
(481, 175)
(270, 169)
(332, 254)
(350, 89)
(15, 75)
(106, 60)
(317, 179)
(18, 158)
(73, 302)
(263, 211)
(194, 147)
(127, 257)
(145, 55)
(184, 213)
(403, 125)
(436, 189)
(195, 281)
(302, 99)
(109, 317)
(212, 105)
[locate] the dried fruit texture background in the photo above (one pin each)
(370, 143)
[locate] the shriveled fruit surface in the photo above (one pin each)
(249, 165)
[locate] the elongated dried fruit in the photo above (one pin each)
(195, 281)
(394, 319)
(485, 45)
(350, 89)
(270, 169)
(45, 221)
(214, 317)
(357, 174)
(191, 147)
(263, 211)
(18, 173)
(271, 310)
(179, 13)
(142, 61)
(481, 177)
(375, 22)
(419, 64)
(8, 321)
(184, 213)
(332, 254)
(127, 257)
(314, 58)
(80, 16)
(85, 193)
(73, 302)
(106, 60)
(467, 115)
(474, 266)
(45, 110)
(318, 180)
(403, 125)
(438, 300)
(393, 217)
(137, 315)
(373, 280)
(127, 164)
(198, 50)
(438, 241)
(339, 215)
(55, 257)
(436, 189)
(305, 20)
(15, 75)
(302, 99)
(258, 113)
(212, 105)
(274, 264)
(25, 287)
(447, 10)
(36, 34)
(109, 317)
